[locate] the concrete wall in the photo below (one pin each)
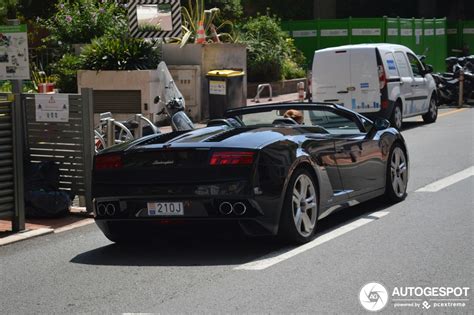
(145, 81)
(208, 57)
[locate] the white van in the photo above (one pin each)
(383, 80)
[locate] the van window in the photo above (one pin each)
(390, 65)
(416, 66)
(402, 64)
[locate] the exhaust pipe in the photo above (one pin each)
(240, 208)
(226, 208)
(101, 209)
(110, 209)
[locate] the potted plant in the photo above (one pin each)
(121, 64)
(76, 23)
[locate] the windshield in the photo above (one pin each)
(330, 121)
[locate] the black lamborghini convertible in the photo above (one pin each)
(255, 168)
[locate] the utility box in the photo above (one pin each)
(188, 81)
(226, 90)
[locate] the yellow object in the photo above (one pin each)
(226, 73)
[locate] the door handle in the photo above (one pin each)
(414, 85)
(342, 92)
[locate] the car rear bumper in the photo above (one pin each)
(131, 214)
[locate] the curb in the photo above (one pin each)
(28, 234)
(21, 236)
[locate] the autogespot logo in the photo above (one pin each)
(373, 296)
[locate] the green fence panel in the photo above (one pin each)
(407, 38)
(454, 37)
(441, 47)
(392, 27)
(468, 36)
(333, 33)
(305, 34)
(366, 31)
(429, 41)
(418, 47)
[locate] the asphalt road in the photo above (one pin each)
(425, 241)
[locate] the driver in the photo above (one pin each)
(296, 115)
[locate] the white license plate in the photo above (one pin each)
(165, 209)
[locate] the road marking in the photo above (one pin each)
(446, 113)
(452, 112)
(448, 181)
(74, 225)
(279, 256)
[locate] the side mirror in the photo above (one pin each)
(381, 124)
(428, 69)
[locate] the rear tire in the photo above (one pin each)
(432, 114)
(396, 119)
(300, 211)
(397, 174)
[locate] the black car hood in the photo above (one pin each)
(218, 136)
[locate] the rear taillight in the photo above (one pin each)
(382, 77)
(105, 162)
(384, 104)
(232, 158)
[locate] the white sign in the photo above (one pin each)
(366, 31)
(14, 64)
(429, 32)
(305, 33)
(52, 107)
(335, 32)
(406, 32)
(217, 87)
(468, 31)
(392, 32)
(440, 31)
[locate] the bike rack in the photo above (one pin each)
(260, 89)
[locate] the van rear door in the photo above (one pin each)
(331, 77)
(365, 83)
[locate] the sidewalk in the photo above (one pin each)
(78, 216)
(36, 227)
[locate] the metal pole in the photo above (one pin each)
(110, 132)
(16, 84)
(18, 223)
(139, 132)
(461, 88)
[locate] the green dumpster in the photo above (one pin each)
(226, 90)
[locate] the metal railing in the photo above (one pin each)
(260, 89)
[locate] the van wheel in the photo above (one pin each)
(396, 120)
(432, 114)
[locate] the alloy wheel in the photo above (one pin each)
(433, 109)
(398, 172)
(304, 205)
(398, 117)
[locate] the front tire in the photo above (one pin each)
(397, 175)
(300, 208)
(396, 119)
(432, 114)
